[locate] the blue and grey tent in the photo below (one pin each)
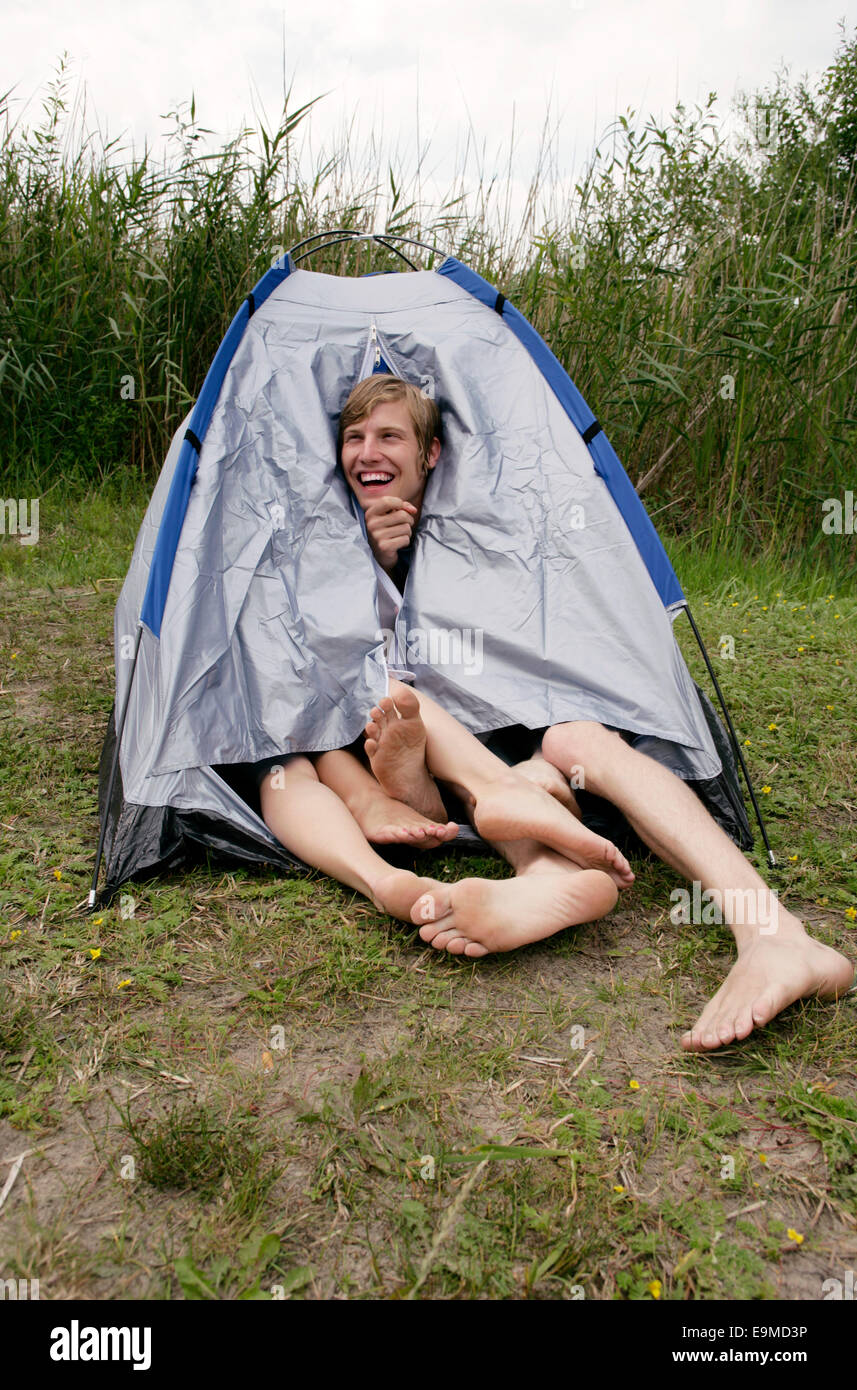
(247, 627)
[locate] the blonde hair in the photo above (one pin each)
(377, 390)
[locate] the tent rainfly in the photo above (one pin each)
(539, 590)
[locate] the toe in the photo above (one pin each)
(407, 704)
(474, 949)
(447, 935)
(765, 1007)
(431, 907)
(430, 931)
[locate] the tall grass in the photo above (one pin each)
(699, 288)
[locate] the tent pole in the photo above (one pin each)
(733, 736)
(114, 766)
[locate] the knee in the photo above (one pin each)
(578, 742)
(295, 767)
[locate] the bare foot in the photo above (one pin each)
(477, 915)
(385, 821)
(769, 974)
(397, 891)
(396, 748)
(537, 769)
(514, 809)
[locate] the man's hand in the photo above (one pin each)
(389, 525)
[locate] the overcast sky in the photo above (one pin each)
(413, 75)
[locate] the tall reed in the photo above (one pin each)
(699, 287)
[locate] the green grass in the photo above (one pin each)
(318, 1105)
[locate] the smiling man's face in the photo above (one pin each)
(381, 456)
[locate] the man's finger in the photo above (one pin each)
(377, 526)
(387, 503)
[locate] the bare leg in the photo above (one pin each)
(777, 961)
(314, 824)
(382, 819)
(504, 805)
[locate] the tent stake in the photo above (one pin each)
(113, 770)
(736, 746)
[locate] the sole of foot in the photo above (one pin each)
(395, 744)
(476, 916)
(518, 810)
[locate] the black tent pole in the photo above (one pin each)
(740, 756)
(113, 770)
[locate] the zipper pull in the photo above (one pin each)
(373, 334)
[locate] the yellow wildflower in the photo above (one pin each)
(95, 952)
(850, 913)
(794, 1235)
(634, 1085)
(763, 1158)
(57, 874)
(771, 727)
(766, 790)
(617, 1187)
(123, 983)
(792, 858)
(655, 1288)
(13, 936)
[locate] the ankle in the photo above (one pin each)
(362, 800)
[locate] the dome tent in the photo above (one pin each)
(248, 626)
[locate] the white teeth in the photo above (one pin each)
(375, 478)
